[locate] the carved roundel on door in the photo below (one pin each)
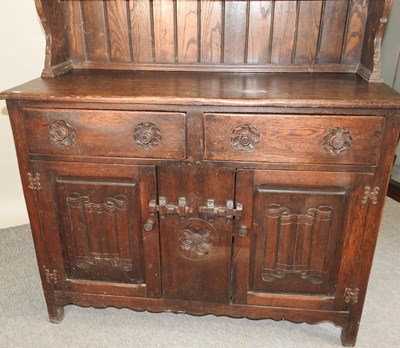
(62, 133)
(196, 239)
(147, 135)
(244, 137)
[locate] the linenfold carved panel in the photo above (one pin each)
(296, 236)
(99, 234)
(297, 232)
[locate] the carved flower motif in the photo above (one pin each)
(62, 133)
(244, 137)
(147, 135)
(196, 241)
(337, 140)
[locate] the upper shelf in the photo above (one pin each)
(210, 35)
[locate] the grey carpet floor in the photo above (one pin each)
(24, 323)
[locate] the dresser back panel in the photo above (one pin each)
(217, 32)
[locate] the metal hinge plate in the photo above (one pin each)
(34, 182)
(52, 277)
(370, 195)
(351, 295)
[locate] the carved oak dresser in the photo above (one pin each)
(225, 157)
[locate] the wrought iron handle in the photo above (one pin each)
(211, 211)
(164, 208)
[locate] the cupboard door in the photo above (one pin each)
(298, 224)
(196, 249)
(92, 217)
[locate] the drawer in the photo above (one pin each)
(106, 133)
(293, 138)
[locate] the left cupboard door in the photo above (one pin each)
(93, 218)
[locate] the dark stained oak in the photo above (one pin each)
(309, 23)
(277, 35)
(199, 88)
(208, 157)
(142, 36)
(304, 139)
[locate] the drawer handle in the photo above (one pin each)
(62, 133)
(244, 137)
(147, 135)
(337, 140)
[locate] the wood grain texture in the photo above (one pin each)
(118, 28)
(333, 31)
(211, 31)
(196, 253)
(298, 140)
(141, 31)
(235, 31)
(77, 44)
(164, 30)
(308, 31)
(90, 139)
(53, 17)
(187, 26)
(355, 31)
(372, 47)
(98, 149)
(96, 31)
(210, 89)
(259, 35)
(284, 29)
(303, 35)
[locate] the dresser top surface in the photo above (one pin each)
(200, 88)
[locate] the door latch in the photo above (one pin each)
(164, 208)
(211, 211)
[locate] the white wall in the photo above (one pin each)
(22, 47)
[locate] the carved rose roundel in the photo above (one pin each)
(196, 239)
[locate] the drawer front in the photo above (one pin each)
(292, 138)
(106, 133)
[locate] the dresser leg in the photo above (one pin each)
(56, 314)
(349, 335)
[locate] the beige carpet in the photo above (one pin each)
(24, 323)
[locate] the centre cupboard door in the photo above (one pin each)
(302, 228)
